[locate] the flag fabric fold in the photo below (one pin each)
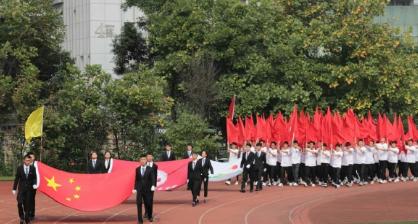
(33, 126)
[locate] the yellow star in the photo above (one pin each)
(51, 183)
(76, 196)
(71, 181)
(68, 199)
(78, 188)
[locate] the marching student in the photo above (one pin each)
(247, 164)
(401, 163)
(189, 152)
(409, 161)
(370, 150)
(296, 152)
(286, 165)
(26, 179)
(168, 155)
(302, 165)
(266, 171)
(361, 159)
(325, 162)
(33, 163)
(336, 164)
(393, 152)
(318, 168)
(376, 161)
(310, 164)
(234, 155)
(194, 177)
(382, 151)
(259, 166)
(347, 164)
(154, 168)
(271, 163)
(278, 166)
(206, 165)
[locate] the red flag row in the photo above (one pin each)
(329, 128)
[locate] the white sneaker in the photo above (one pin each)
(403, 179)
(264, 184)
(246, 184)
(337, 186)
(295, 184)
(255, 183)
(320, 183)
(380, 180)
(390, 179)
(274, 183)
(372, 182)
(313, 185)
(291, 184)
(280, 185)
(228, 182)
(375, 179)
(305, 184)
(345, 180)
(269, 184)
(355, 179)
(349, 184)
(236, 182)
(365, 183)
(361, 183)
(383, 181)
(411, 178)
(396, 180)
(415, 179)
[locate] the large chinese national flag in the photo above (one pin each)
(86, 192)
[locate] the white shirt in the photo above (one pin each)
(286, 157)
(383, 155)
(324, 158)
(402, 156)
(336, 160)
(361, 157)
(296, 155)
(310, 157)
(393, 156)
(252, 149)
(375, 156)
(410, 156)
(150, 164)
(272, 160)
(233, 157)
(416, 155)
(369, 155)
(26, 169)
(278, 158)
(348, 158)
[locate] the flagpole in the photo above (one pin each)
(42, 131)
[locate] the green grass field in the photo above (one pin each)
(6, 178)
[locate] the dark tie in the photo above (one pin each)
(189, 153)
(194, 164)
(143, 171)
(94, 164)
(27, 172)
(203, 162)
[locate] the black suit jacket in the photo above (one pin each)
(186, 155)
(206, 167)
(260, 162)
(104, 168)
(97, 169)
(154, 169)
(196, 173)
(144, 183)
(164, 156)
(249, 161)
(25, 184)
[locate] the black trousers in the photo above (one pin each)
(383, 166)
(245, 174)
(347, 171)
(302, 171)
(288, 170)
(324, 170)
(309, 170)
(319, 173)
(194, 186)
(362, 171)
(411, 166)
(392, 170)
(267, 173)
(273, 175)
(143, 197)
(205, 186)
(336, 175)
(401, 167)
(152, 203)
(370, 171)
(377, 170)
(259, 173)
(295, 171)
(32, 206)
(23, 204)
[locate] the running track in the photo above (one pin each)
(391, 202)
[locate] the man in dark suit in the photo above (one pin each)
(154, 168)
(194, 177)
(144, 186)
(248, 167)
(168, 155)
(34, 164)
(259, 166)
(26, 179)
(94, 165)
(189, 152)
(206, 165)
(107, 163)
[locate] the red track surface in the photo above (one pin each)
(391, 202)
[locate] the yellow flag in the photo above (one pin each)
(33, 126)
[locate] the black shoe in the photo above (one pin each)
(145, 216)
(197, 201)
(32, 218)
(28, 222)
(151, 219)
(251, 191)
(21, 221)
(242, 191)
(204, 200)
(256, 189)
(194, 204)
(141, 221)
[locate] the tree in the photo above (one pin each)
(130, 49)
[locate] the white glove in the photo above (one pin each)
(248, 166)
(14, 192)
(133, 191)
(187, 180)
(152, 188)
(35, 187)
(265, 169)
(204, 179)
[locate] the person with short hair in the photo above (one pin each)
(382, 151)
(206, 166)
(393, 152)
(247, 164)
(26, 180)
(194, 178)
(189, 152)
(272, 163)
(286, 165)
(336, 164)
(168, 155)
(347, 162)
(325, 163)
(259, 166)
(107, 163)
(143, 188)
(361, 159)
(409, 161)
(33, 163)
(234, 155)
(296, 152)
(94, 166)
(370, 150)
(154, 168)
(310, 164)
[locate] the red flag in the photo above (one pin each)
(388, 128)
(250, 131)
(381, 132)
(414, 129)
(337, 136)
(260, 127)
(327, 128)
(269, 129)
(231, 109)
(401, 135)
(241, 132)
(293, 124)
(373, 130)
(232, 132)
